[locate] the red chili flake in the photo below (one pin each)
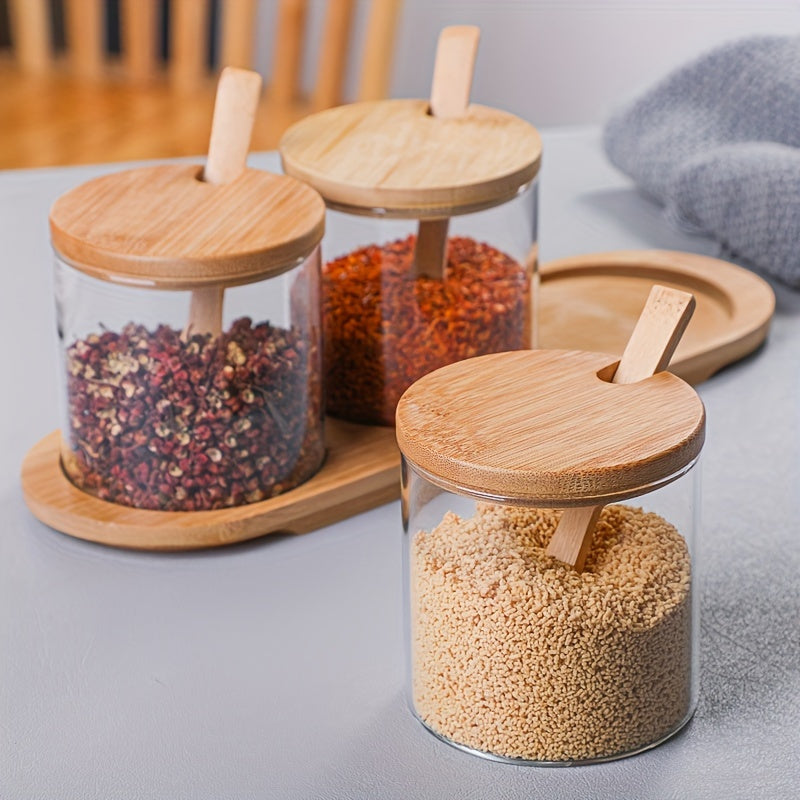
(385, 327)
(155, 422)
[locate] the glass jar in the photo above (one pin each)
(512, 654)
(432, 231)
(192, 374)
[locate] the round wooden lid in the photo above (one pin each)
(392, 157)
(548, 427)
(165, 227)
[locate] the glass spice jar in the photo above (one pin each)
(432, 227)
(188, 321)
(512, 654)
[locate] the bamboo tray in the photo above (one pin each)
(591, 302)
(361, 471)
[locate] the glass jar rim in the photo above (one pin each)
(543, 501)
(428, 212)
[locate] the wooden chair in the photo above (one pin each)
(83, 104)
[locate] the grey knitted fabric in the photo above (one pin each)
(718, 143)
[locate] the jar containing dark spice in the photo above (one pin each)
(188, 317)
(550, 508)
(431, 229)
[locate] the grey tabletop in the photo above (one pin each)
(275, 669)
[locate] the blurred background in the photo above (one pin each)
(557, 62)
(98, 80)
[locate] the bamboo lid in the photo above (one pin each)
(548, 427)
(166, 227)
(394, 157)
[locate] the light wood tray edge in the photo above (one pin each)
(361, 471)
(750, 299)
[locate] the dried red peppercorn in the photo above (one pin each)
(385, 327)
(159, 422)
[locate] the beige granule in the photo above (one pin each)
(516, 654)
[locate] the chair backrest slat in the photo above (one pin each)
(378, 50)
(30, 33)
(139, 34)
(189, 21)
(288, 56)
(84, 23)
(238, 33)
(189, 29)
(333, 54)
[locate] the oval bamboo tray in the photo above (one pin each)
(592, 302)
(361, 471)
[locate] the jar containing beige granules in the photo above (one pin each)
(513, 653)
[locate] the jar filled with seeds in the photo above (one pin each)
(517, 652)
(188, 321)
(431, 236)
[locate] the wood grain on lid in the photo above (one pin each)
(164, 226)
(394, 155)
(547, 426)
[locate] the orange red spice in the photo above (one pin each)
(385, 327)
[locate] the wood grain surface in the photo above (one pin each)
(549, 427)
(656, 334)
(165, 226)
(396, 156)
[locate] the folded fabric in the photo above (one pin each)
(718, 143)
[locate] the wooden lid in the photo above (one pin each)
(548, 427)
(394, 157)
(165, 227)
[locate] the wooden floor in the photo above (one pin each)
(54, 120)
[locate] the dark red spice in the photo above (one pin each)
(157, 422)
(385, 327)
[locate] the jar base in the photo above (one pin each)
(523, 762)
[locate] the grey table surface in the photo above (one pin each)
(274, 669)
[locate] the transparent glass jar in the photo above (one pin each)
(512, 654)
(192, 373)
(425, 267)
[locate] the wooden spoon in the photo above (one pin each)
(649, 350)
(452, 80)
(235, 105)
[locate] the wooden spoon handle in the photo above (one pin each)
(453, 68)
(572, 539)
(656, 334)
(235, 107)
(205, 311)
(651, 345)
(231, 128)
(430, 250)
(456, 51)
